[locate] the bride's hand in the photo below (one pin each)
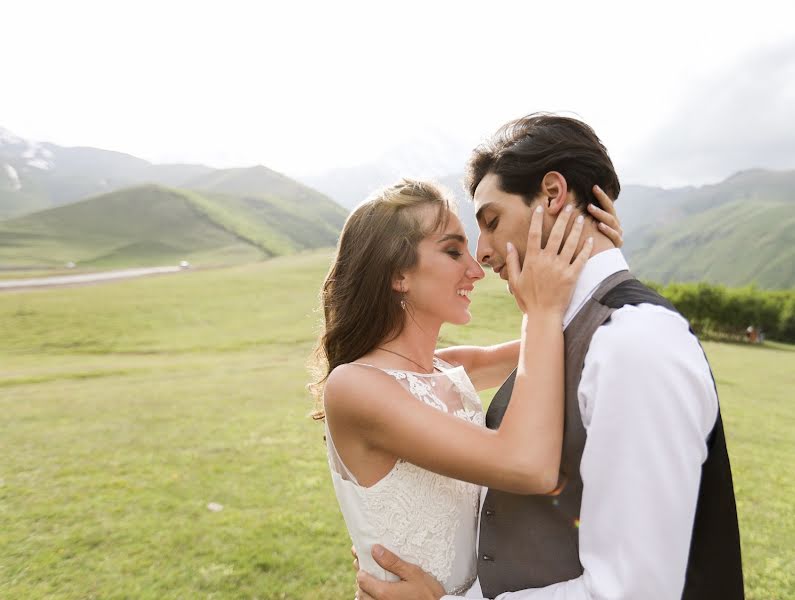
(545, 282)
(608, 219)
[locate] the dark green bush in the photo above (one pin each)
(725, 313)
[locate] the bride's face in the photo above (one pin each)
(438, 287)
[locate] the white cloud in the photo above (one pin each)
(306, 86)
(739, 118)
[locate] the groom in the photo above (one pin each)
(644, 508)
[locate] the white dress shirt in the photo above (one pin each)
(648, 404)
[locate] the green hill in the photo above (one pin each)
(137, 226)
(283, 194)
(228, 216)
(736, 232)
(734, 244)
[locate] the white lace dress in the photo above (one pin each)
(427, 519)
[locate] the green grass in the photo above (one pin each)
(126, 408)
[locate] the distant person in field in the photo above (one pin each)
(643, 506)
(407, 444)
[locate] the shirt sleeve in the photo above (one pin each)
(648, 404)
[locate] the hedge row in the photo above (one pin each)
(720, 312)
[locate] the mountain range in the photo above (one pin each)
(737, 232)
(101, 208)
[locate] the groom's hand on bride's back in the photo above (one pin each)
(414, 584)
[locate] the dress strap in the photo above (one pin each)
(366, 365)
(438, 365)
(336, 461)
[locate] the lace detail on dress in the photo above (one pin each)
(471, 415)
(419, 388)
(420, 509)
(428, 519)
(419, 512)
(462, 589)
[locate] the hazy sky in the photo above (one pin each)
(686, 94)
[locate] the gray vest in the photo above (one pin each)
(532, 541)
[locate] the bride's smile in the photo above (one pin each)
(439, 287)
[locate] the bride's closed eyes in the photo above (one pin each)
(459, 240)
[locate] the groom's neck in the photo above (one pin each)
(601, 242)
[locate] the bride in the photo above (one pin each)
(407, 445)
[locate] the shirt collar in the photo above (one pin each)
(596, 270)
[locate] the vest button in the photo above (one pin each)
(488, 558)
(489, 513)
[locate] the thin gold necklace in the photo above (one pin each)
(406, 357)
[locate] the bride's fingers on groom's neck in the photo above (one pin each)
(573, 240)
(612, 234)
(605, 200)
(579, 261)
(555, 240)
(606, 222)
(601, 215)
(534, 233)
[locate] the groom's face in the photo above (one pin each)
(502, 218)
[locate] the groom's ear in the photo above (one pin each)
(554, 192)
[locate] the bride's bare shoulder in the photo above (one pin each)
(349, 382)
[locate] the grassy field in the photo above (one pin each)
(127, 408)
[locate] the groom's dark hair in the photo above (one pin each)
(521, 152)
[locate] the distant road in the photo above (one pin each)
(9, 284)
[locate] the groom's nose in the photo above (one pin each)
(483, 250)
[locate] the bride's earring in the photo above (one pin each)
(402, 298)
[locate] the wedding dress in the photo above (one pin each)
(425, 518)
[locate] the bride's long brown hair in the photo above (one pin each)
(378, 242)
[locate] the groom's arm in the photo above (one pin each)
(486, 366)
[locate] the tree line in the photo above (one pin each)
(718, 312)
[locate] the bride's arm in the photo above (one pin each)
(489, 366)
(523, 456)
